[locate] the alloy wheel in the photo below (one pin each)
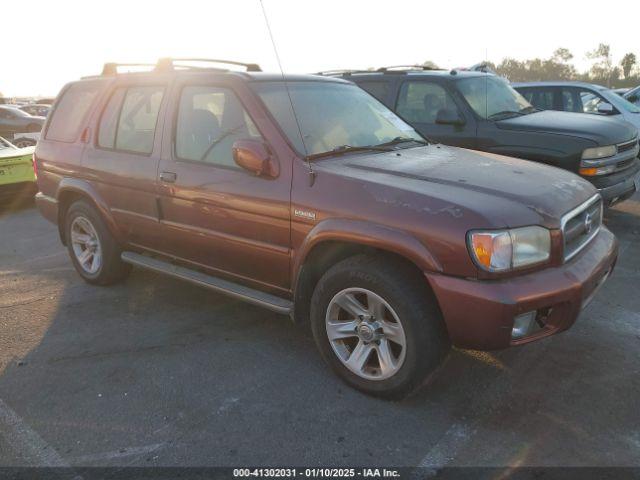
(86, 245)
(365, 333)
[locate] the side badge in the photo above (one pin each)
(304, 214)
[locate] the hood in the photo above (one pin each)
(507, 192)
(599, 129)
(633, 119)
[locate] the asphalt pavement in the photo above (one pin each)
(157, 372)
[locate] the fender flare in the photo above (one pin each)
(369, 234)
(85, 189)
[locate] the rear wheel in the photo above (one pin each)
(93, 250)
(378, 326)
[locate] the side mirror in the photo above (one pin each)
(254, 156)
(449, 116)
(605, 108)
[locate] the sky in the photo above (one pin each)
(63, 40)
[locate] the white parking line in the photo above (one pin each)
(459, 435)
(445, 450)
(26, 441)
(121, 453)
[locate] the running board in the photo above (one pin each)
(249, 295)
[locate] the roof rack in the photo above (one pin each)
(169, 63)
(111, 68)
(343, 72)
(407, 67)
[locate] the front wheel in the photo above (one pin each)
(378, 326)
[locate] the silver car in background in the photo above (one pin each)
(580, 97)
(633, 96)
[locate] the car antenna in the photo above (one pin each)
(312, 174)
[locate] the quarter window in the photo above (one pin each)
(420, 102)
(210, 120)
(71, 111)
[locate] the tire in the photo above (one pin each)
(396, 294)
(87, 234)
(24, 142)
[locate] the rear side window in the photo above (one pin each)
(71, 111)
(420, 102)
(138, 118)
(541, 98)
(210, 120)
(109, 120)
(380, 90)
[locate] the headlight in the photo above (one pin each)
(599, 152)
(503, 250)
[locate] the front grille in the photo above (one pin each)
(625, 147)
(624, 164)
(580, 225)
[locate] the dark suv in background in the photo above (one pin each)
(341, 215)
(481, 111)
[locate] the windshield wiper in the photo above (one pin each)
(343, 149)
(399, 140)
(529, 109)
(505, 113)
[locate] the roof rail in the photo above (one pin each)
(407, 67)
(169, 63)
(111, 68)
(342, 72)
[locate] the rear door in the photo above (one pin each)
(543, 98)
(122, 161)
(420, 100)
(216, 215)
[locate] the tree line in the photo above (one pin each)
(603, 71)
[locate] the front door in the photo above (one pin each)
(216, 215)
(419, 103)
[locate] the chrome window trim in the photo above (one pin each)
(573, 213)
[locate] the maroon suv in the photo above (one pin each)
(307, 196)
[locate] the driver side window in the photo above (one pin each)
(210, 120)
(588, 101)
(420, 102)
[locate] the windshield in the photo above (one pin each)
(492, 97)
(331, 116)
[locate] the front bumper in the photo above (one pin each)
(618, 186)
(480, 314)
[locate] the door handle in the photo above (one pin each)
(168, 177)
